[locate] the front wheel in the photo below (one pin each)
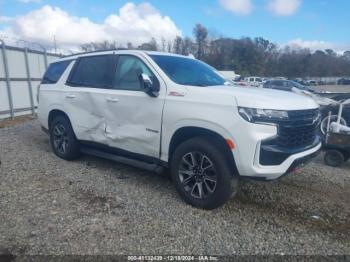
(202, 173)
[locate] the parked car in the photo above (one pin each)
(343, 81)
(254, 81)
(286, 85)
(311, 82)
(156, 110)
(298, 80)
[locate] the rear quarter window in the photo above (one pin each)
(55, 71)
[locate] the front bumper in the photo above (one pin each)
(272, 172)
(271, 154)
(277, 146)
(249, 164)
(301, 162)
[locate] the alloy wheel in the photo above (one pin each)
(60, 138)
(198, 175)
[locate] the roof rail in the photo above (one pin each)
(96, 51)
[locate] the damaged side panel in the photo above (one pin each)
(134, 123)
(88, 118)
(129, 120)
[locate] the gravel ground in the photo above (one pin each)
(95, 206)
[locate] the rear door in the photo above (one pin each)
(88, 85)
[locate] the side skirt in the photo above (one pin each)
(156, 165)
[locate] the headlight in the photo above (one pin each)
(256, 115)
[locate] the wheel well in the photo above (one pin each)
(186, 133)
(54, 113)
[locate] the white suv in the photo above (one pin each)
(157, 110)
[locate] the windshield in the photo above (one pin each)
(188, 71)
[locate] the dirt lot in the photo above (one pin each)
(94, 206)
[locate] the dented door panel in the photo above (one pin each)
(134, 122)
(87, 113)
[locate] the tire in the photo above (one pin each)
(346, 155)
(207, 185)
(62, 139)
(334, 158)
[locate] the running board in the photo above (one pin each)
(124, 160)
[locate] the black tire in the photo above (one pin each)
(346, 156)
(198, 188)
(334, 158)
(62, 138)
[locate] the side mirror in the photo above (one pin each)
(148, 86)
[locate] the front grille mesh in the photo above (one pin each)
(300, 130)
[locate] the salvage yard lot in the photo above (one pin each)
(95, 206)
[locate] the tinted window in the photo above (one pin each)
(277, 83)
(281, 84)
(55, 71)
(94, 71)
(129, 70)
(188, 71)
(285, 84)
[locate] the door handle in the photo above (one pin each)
(70, 96)
(112, 100)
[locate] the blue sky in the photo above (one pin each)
(310, 22)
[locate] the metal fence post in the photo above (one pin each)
(29, 81)
(45, 58)
(7, 76)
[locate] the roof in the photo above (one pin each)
(120, 50)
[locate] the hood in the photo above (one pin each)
(267, 98)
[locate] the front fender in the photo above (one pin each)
(169, 132)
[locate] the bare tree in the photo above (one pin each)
(200, 33)
(149, 46)
(187, 46)
(177, 45)
(246, 56)
(163, 44)
(169, 47)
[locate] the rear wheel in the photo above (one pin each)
(334, 158)
(202, 173)
(63, 140)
